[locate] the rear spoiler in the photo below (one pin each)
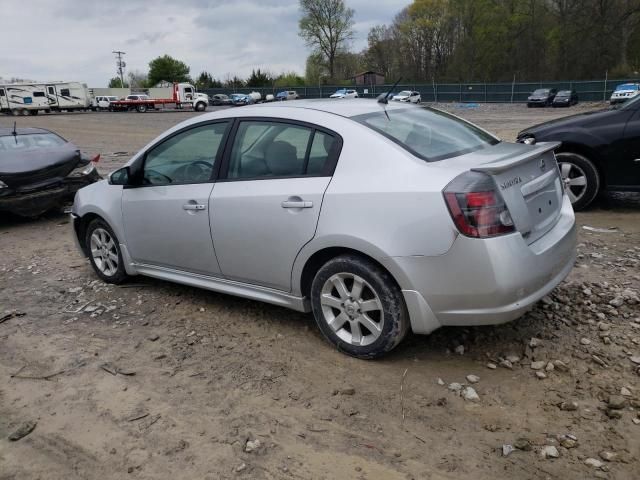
(511, 161)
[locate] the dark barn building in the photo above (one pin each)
(369, 78)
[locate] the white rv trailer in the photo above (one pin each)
(30, 98)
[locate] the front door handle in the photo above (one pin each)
(194, 206)
(296, 204)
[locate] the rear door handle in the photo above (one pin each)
(194, 206)
(296, 204)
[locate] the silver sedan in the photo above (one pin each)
(377, 218)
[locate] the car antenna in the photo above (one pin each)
(15, 132)
(385, 100)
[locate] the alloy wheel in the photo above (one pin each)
(575, 180)
(352, 309)
(104, 252)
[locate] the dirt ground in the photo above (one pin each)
(155, 380)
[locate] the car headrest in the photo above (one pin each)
(282, 159)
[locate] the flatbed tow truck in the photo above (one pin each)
(184, 96)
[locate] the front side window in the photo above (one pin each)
(65, 92)
(187, 157)
(2, 92)
(427, 133)
(264, 149)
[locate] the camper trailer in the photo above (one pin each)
(31, 98)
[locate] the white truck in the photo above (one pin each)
(31, 98)
(183, 95)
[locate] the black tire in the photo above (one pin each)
(528, 105)
(200, 107)
(591, 174)
(141, 108)
(120, 274)
(394, 321)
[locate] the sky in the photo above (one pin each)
(73, 40)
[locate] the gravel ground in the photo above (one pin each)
(154, 380)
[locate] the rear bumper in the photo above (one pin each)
(481, 282)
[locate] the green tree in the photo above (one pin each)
(138, 79)
(116, 83)
(289, 79)
(327, 27)
(206, 80)
(259, 79)
(169, 69)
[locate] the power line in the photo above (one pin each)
(120, 64)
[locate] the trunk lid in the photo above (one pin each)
(529, 181)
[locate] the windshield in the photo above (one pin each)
(627, 86)
(564, 93)
(541, 91)
(404, 93)
(427, 133)
(35, 141)
(341, 91)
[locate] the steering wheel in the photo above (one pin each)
(150, 173)
(198, 170)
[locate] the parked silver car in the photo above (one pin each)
(377, 219)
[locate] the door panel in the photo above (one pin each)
(165, 218)
(169, 226)
(628, 172)
(256, 237)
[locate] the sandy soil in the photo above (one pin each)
(154, 380)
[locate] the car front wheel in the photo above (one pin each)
(104, 252)
(358, 307)
(580, 177)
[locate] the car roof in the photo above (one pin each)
(344, 107)
(4, 132)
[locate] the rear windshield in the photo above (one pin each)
(34, 141)
(427, 133)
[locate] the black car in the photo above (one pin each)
(600, 150)
(219, 99)
(565, 98)
(40, 170)
(542, 97)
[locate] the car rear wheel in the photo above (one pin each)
(358, 307)
(580, 177)
(104, 252)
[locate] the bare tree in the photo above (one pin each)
(326, 25)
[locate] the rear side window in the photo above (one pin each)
(266, 149)
(38, 94)
(429, 134)
(65, 92)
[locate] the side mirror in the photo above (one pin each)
(120, 177)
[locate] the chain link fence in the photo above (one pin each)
(515, 92)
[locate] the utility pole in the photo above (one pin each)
(120, 64)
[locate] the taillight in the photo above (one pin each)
(477, 208)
